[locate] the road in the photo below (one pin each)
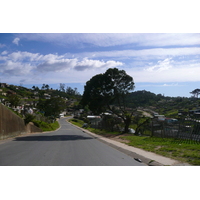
(68, 146)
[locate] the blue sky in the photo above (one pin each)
(168, 64)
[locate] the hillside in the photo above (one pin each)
(18, 97)
(168, 106)
(22, 99)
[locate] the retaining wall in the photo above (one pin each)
(12, 125)
(31, 128)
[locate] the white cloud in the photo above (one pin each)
(161, 65)
(145, 54)
(167, 71)
(16, 41)
(95, 64)
(170, 39)
(170, 85)
(29, 66)
(56, 65)
(22, 56)
(10, 68)
(4, 53)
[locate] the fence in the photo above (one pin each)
(186, 129)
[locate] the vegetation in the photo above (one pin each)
(39, 105)
(28, 118)
(52, 107)
(143, 99)
(184, 151)
(196, 92)
(103, 132)
(107, 92)
(46, 126)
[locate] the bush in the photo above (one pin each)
(74, 120)
(29, 118)
(46, 126)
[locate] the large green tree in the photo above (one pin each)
(52, 107)
(107, 92)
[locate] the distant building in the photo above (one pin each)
(47, 96)
(94, 120)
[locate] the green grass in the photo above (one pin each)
(103, 132)
(77, 122)
(80, 123)
(183, 151)
(45, 126)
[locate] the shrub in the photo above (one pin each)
(46, 126)
(29, 118)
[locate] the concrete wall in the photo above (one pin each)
(31, 128)
(12, 125)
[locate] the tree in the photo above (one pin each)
(72, 92)
(62, 87)
(52, 107)
(196, 92)
(108, 92)
(140, 121)
(43, 86)
(14, 100)
(69, 91)
(47, 86)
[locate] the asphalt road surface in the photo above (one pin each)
(68, 146)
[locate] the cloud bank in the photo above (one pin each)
(26, 64)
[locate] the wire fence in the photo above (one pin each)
(185, 129)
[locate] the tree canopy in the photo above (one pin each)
(196, 92)
(103, 91)
(52, 107)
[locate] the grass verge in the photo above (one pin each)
(184, 151)
(45, 126)
(105, 133)
(181, 150)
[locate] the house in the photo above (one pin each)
(94, 120)
(170, 120)
(4, 94)
(47, 96)
(195, 113)
(160, 117)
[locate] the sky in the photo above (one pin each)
(159, 46)
(162, 63)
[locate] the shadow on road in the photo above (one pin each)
(53, 138)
